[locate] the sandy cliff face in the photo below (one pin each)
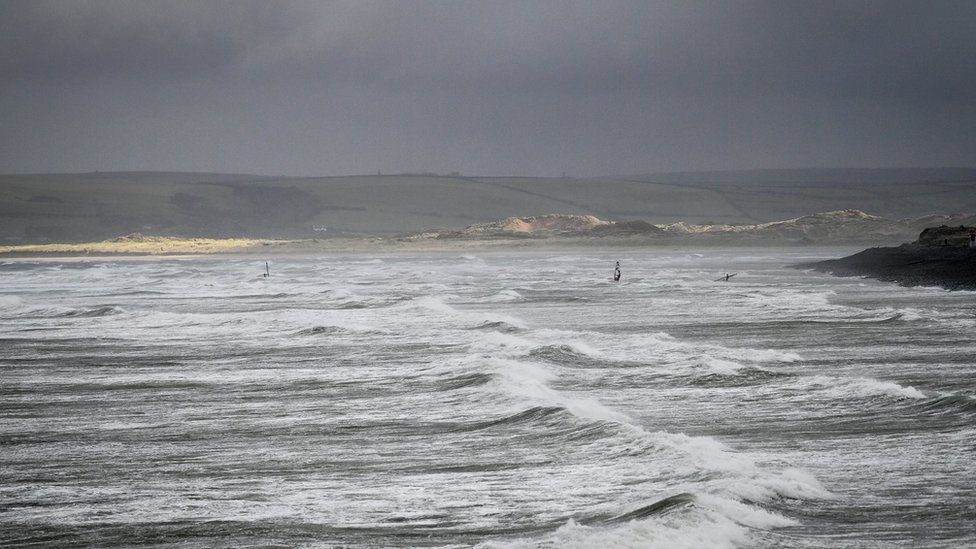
(845, 226)
(549, 223)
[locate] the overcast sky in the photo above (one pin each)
(487, 87)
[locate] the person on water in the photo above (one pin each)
(616, 272)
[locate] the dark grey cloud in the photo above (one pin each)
(497, 87)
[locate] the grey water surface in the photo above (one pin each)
(492, 399)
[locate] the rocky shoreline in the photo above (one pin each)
(952, 268)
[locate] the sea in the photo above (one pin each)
(491, 399)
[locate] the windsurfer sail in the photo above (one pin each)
(616, 272)
(726, 277)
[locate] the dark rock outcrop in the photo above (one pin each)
(945, 236)
(926, 262)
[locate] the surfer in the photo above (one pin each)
(616, 272)
(267, 271)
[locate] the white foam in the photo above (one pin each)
(466, 318)
(664, 349)
(124, 426)
(794, 301)
(529, 383)
(757, 486)
(507, 319)
(863, 388)
(683, 531)
(911, 314)
(706, 453)
(10, 301)
(575, 341)
(744, 514)
(431, 303)
(340, 293)
(873, 386)
(520, 372)
(738, 475)
(505, 296)
(719, 366)
(721, 477)
(499, 344)
(760, 355)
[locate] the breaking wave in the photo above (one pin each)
(106, 310)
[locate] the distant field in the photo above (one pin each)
(97, 206)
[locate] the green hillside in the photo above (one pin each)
(89, 207)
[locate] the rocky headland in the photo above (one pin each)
(942, 256)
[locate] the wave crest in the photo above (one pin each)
(106, 310)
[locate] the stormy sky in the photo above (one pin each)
(491, 87)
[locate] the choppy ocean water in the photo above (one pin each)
(491, 400)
